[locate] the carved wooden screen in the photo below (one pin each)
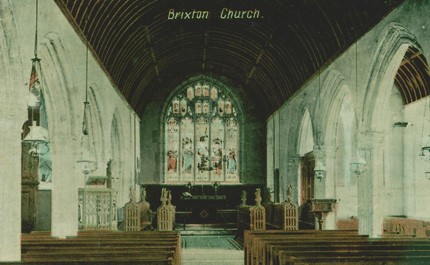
(258, 217)
(132, 217)
(201, 136)
(97, 208)
(291, 217)
(165, 218)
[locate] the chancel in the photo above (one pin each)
(221, 132)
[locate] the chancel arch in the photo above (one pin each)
(202, 133)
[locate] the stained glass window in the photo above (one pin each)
(201, 136)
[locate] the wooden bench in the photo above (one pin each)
(331, 246)
(251, 217)
(282, 216)
(166, 212)
(357, 257)
(281, 252)
(97, 247)
(255, 241)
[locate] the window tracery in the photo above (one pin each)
(201, 136)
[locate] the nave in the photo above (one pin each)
(209, 247)
(323, 105)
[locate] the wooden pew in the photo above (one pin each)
(251, 217)
(283, 216)
(384, 258)
(97, 247)
(324, 247)
(254, 246)
(282, 253)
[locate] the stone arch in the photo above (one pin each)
(9, 55)
(386, 60)
(117, 154)
(13, 114)
(295, 111)
(116, 137)
(305, 135)
(395, 41)
(339, 139)
(298, 108)
(56, 83)
(334, 91)
(96, 123)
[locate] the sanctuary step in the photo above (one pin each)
(207, 229)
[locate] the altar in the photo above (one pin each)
(204, 209)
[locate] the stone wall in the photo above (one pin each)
(252, 132)
(363, 74)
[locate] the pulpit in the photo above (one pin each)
(97, 208)
(320, 208)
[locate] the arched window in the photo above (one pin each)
(201, 135)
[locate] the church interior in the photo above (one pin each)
(140, 132)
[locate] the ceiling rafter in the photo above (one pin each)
(270, 57)
(151, 51)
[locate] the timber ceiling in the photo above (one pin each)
(270, 57)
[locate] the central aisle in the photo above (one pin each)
(211, 250)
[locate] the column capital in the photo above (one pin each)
(319, 152)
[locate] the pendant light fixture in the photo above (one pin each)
(87, 163)
(38, 135)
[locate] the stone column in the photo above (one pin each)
(66, 177)
(320, 182)
(10, 184)
(330, 186)
(370, 185)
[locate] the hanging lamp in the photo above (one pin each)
(38, 135)
(87, 163)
